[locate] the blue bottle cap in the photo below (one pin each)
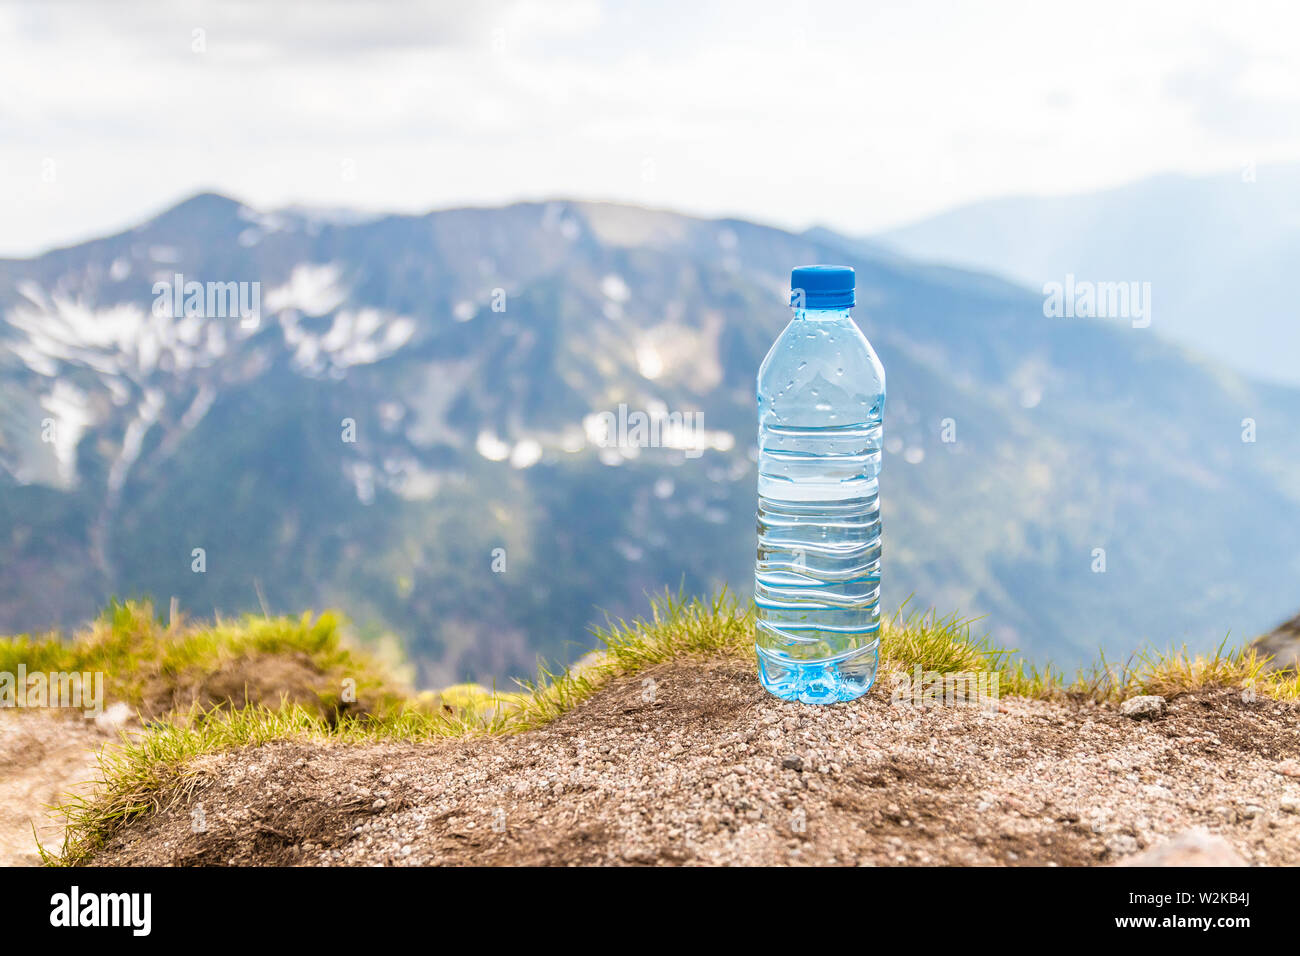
(822, 287)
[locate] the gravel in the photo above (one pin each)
(715, 771)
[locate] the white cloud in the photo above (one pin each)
(854, 115)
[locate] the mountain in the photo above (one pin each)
(1219, 251)
(413, 429)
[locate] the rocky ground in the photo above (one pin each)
(691, 763)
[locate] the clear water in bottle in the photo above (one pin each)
(821, 398)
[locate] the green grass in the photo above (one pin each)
(1167, 673)
(157, 668)
(150, 769)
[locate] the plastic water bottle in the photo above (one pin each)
(821, 399)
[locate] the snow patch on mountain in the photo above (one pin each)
(69, 418)
(312, 289)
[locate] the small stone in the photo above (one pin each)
(1289, 768)
(1143, 708)
(793, 762)
(1121, 844)
(114, 717)
(1289, 805)
(1192, 848)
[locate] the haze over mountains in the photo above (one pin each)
(413, 432)
(1222, 254)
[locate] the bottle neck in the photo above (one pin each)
(820, 315)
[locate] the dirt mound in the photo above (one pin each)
(248, 679)
(693, 763)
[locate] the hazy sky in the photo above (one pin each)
(856, 115)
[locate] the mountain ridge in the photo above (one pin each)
(1210, 246)
(472, 436)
